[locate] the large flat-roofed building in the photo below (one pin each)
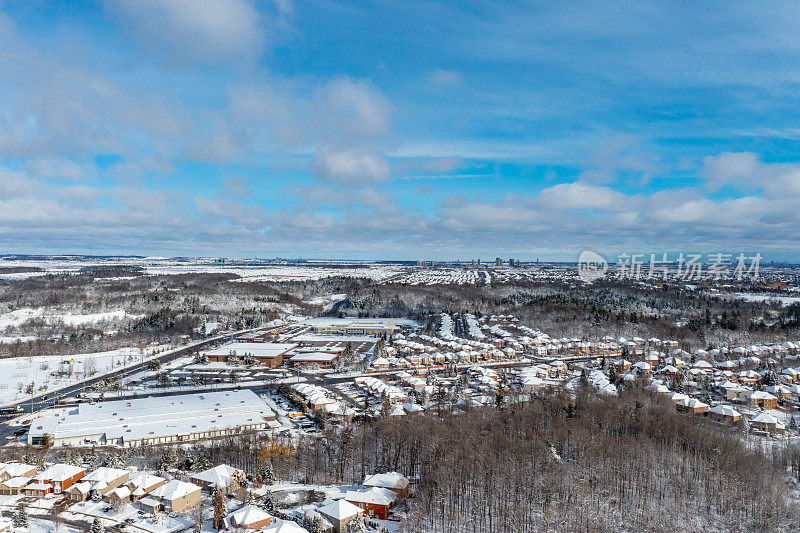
(162, 420)
(320, 359)
(353, 326)
(268, 354)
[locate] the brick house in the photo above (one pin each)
(375, 502)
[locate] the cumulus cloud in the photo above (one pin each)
(353, 107)
(730, 168)
(579, 195)
(350, 165)
(211, 31)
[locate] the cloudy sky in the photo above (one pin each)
(436, 130)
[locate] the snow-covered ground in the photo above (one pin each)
(20, 316)
(56, 371)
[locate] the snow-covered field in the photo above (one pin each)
(20, 316)
(56, 371)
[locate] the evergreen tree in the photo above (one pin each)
(267, 474)
(357, 525)
(96, 496)
(267, 504)
(114, 461)
(97, 527)
(316, 525)
(167, 460)
(21, 516)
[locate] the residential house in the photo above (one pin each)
(17, 470)
(13, 486)
(767, 422)
(61, 476)
(249, 517)
(284, 526)
(724, 413)
(79, 492)
(390, 480)
(692, 405)
(222, 477)
(105, 479)
(143, 483)
(176, 496)
(38, 489)
(340, 513)
(763, 400)
(375, 502)
(119, 496)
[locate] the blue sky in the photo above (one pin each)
(399, 130)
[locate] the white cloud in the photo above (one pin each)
(579, 195)
(353, 107)
(208, 31)
(730, 168)
(350, 165)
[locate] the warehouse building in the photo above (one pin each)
(163, 420)
(269, 354)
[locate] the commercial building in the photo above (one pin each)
(353, 326)
(148, 421)
(320, 359)
(269, 354)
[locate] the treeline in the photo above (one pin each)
(556, 462)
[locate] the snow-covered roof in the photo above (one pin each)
(149, 418)
(249, 514)
(105, 474)
(284, 526)
(340, 509)
(219, 476)
(174, 489)
(145, 480)
(389, 480)
(375, 496)
(60, 472)
(725, 410)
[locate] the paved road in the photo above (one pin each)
(48, 399)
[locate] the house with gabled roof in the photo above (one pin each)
(340, 513)
(393, 481)
(175, 496)
(249, 517)
(222, 477)
(375, 502)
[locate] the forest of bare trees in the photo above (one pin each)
(555, 462)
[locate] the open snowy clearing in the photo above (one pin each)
(53, 372)
(20, 316)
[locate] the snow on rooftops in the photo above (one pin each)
(105, 474)
(725, 410)
(60, 472)
(220, 476)
(249, 514)
(128, 422)
(340, 510)
(145, 479)
(389, 480)
(174, 489)
(284, 526)
(374, 496)
(256, 349)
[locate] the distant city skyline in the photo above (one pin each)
(399, 130)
